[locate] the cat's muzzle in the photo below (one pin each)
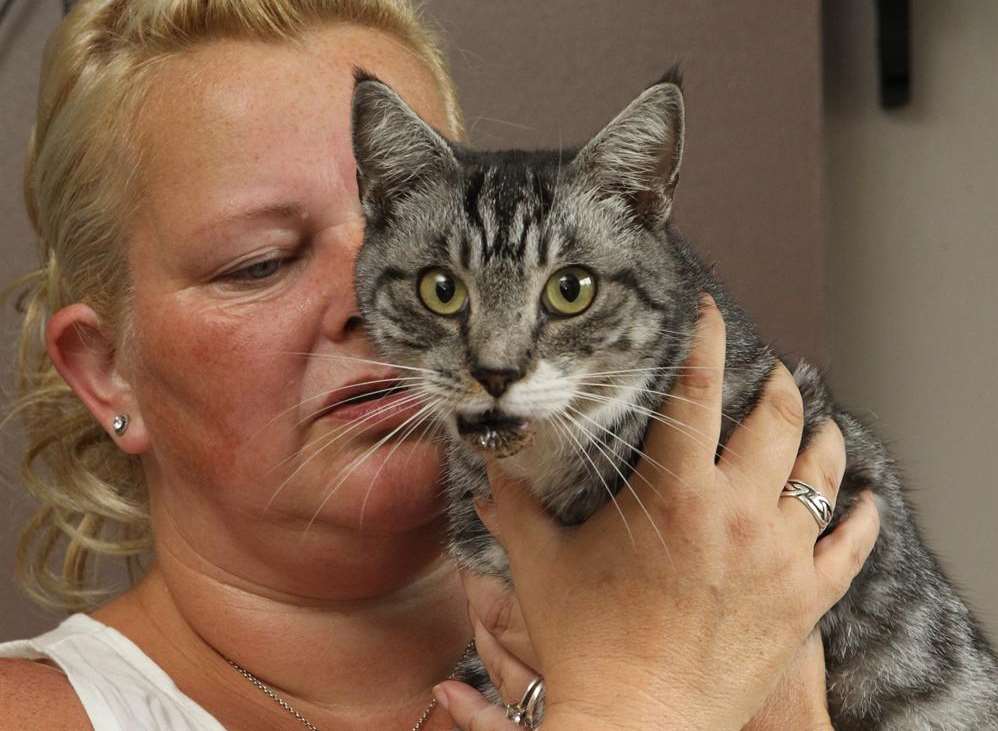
(494, 432)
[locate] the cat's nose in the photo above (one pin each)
(496, 380)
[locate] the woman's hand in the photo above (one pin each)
(800, 700)
(683, 608)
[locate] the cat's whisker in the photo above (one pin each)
(696, 435)
(353, 399)
(665, 395)
(612, 457)
(306, 400)
(723, 453)
(340, 356)
(431, 425)
(349, 426)
(654, 369)
(351, 468)
(644, 455)
(555, 190)
(613, 498)
(375, 417)
(496, 120)
(370, 488)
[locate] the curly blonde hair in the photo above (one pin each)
(78, 187)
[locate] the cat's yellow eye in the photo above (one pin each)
(570, 291)
(442, 292)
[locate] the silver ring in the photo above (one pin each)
(816, 503)
(525, 713)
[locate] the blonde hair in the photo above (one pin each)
(81, 162)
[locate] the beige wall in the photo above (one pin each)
(912, 267)
(540, 73)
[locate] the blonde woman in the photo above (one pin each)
(193, 189)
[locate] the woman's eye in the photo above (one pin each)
(569, 292)
(442, 292)
(258, 270)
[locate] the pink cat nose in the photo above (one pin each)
(496, 380)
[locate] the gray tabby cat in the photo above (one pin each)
(546, 299)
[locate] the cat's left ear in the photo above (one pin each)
(396, 151)
(636, 157)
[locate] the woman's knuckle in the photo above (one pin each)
(498, 616)
(836, 436)
(830, 479)
(697, 380)
(788, 405)
(830, 446)
(836, 583)
(743, 529)
(841, 584)
(500, 682)
(857, 559)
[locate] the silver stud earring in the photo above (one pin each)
(120, 424)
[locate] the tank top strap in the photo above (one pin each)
(120, 687)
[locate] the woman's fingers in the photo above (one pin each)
(840, 555)
(470, 710)
(494, 604)
(516, 516)
(762, 450)
(821, 466)
(690, 418)
(509, 675)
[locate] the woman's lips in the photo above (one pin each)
(380, 414)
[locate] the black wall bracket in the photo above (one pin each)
(894, 46)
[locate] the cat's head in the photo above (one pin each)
(531, 293)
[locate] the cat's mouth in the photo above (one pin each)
(501, 434)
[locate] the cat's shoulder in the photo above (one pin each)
(38, 695)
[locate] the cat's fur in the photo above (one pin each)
(903, 651)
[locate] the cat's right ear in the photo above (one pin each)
(636, 157)
(396, 151)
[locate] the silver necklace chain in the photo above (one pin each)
(269, 692)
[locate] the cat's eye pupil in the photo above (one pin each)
(569, 292)
(570, 287)
(442, 292)
(445, 289)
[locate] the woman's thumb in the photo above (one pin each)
(515, 513)
(469, 709)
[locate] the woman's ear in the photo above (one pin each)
(88, 361)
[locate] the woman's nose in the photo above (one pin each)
(342, 320)
(354, 324)
(335, 262)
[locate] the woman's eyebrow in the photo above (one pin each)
(272, 211)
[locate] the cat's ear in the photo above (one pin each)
(636, 157)
(395, 150)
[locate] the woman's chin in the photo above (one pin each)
(396, 490)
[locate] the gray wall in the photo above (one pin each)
(912, 262)
(21, 38)
(545, 73)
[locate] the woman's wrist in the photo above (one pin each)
(633, 710)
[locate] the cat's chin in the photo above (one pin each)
(495, 435)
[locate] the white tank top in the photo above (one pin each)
(120, 687)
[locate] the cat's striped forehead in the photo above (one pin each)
(507, 200)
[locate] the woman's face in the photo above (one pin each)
(242, 259)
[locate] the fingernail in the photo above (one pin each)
(440, 693)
